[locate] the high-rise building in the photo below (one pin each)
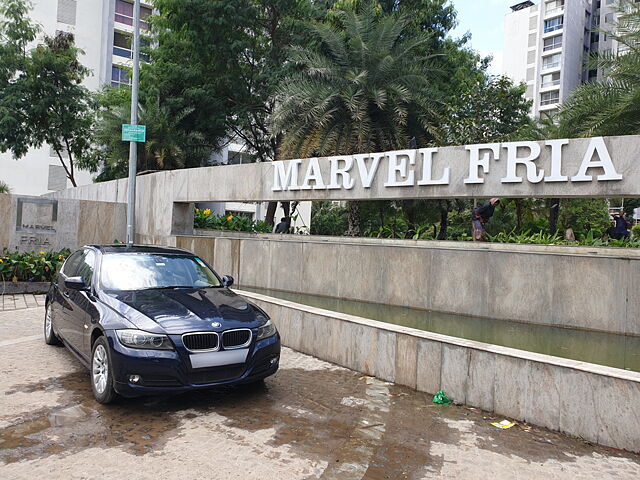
(547, 45)
(103, 30)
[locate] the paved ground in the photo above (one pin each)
(311, 420)
(18, 302)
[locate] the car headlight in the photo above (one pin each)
(266, 330)
(140, 339)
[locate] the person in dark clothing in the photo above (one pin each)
(480, 216)
(621, 230)
(283, 226)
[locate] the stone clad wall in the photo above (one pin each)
(164, 199)
(579, 287)
(34, 223)
(593, 402)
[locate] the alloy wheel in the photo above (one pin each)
(100, 369)
(47, 322)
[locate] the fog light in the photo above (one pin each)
(274, 360)
(134, 378)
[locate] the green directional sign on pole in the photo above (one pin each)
(134, 133)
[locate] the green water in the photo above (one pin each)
(613, 350)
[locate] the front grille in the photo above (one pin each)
(217, 374)
(236, 338)
(200, 341)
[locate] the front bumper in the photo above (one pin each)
(169, 371)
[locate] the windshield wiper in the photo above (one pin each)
(167, 287)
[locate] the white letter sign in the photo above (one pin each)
(427, 169)
(347, 181)
(285, 180)
(513, 160)
(597, 145)
(366, 176)
(313, 173)
(398, 165)
(476, 162)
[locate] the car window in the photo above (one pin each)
(70, 267)
(86, 266)
(132, 271)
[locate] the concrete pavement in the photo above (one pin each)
(311, 420)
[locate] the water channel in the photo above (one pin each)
(613, 350)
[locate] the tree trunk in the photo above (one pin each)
(271, 213)
(411, 214)
(353, 212)
(444, 220)
(519, 213)
(554, 209)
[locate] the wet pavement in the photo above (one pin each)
(311, 420)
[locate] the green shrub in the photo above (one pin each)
(328, 218)
(635, 230)
(591, 239)
(30, 267)
(206, 220)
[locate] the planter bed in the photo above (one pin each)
(10, 288)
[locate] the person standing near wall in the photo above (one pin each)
(621, 230)
(283, 226)
(480, 216)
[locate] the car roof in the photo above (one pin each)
(124, 248)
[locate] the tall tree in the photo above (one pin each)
(167, 146)
(42, 99)
(360, 89)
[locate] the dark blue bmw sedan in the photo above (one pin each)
(154, 320)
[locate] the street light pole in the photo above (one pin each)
(133, 146)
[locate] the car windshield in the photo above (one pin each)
(143, 271)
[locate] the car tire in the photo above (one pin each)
(101, 372)
(50, 337)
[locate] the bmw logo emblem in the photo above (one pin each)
(216, 324)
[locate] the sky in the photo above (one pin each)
(484, 19)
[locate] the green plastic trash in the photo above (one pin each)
(440, 398)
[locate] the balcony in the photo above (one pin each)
(552, 83)
(553, 28)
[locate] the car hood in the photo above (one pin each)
(185, 309)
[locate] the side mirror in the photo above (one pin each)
(75, 283)
(227, 281)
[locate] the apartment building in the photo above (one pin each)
(102, 29)
(547, 44)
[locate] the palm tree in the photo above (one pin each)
(363, 88)
(165, 147)
(4, 188)
(612, 106)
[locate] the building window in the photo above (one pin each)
(124, 14)
(554, 6)
(122, 45)
(608, 18)
(552, 61)
(67, 11)
(549, 98)
(119, 77)
(553, 24)
(552, 43)
(550, 79)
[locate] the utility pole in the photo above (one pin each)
(133, 145)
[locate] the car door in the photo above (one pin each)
(61, 304)
(82, 304)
